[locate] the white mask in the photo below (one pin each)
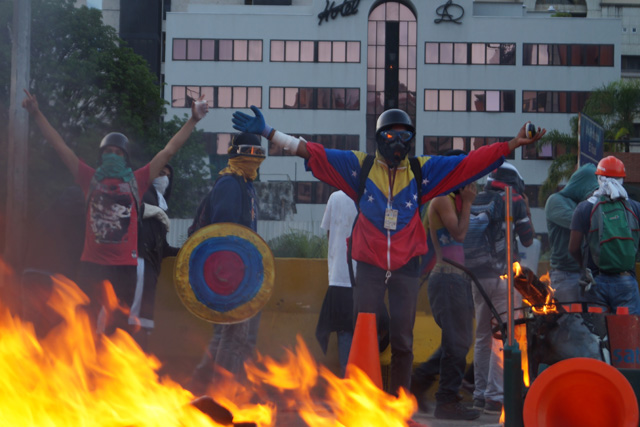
(161, 183)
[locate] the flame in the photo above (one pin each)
(520, 334)
(72, 377)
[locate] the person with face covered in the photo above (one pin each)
(113, 192)
(232, 199)
(388, 238)
(152, 249)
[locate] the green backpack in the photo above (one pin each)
(613, 235)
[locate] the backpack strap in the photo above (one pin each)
(367, 164)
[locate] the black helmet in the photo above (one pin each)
(393, 148)
(246, 144)
(394, 117)
(115, 139)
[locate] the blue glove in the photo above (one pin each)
(245, 123)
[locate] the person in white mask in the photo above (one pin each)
(152, 249)
(608, 223)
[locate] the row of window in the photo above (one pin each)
(588, 55)
(310, 98)
(314, 51)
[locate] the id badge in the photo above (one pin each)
(390, 219)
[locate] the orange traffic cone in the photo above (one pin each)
(364, 351)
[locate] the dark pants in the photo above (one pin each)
(452, 307)
(403, 293)
(122, 279)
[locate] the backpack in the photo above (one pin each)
(484, 244)
(613, 235)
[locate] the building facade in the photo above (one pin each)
(468, 72)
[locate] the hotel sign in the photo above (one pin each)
(348, 7)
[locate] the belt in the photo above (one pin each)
(449, 269)
(624, 273)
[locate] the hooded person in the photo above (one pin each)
(565, 271)
(152, 249)
(232, 199)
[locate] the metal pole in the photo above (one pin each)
(16, 204)
(508, 238)
(512, 358)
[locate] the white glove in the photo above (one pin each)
(151, 211)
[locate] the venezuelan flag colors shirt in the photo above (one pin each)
(372, 242)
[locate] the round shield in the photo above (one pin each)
(224, 273)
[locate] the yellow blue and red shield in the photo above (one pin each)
(224, 273)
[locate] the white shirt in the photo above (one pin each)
(338, 220)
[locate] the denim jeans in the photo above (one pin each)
(344, 347)
(488, 351)
(566, 284)
(403, 293)
(452, 308)
(616, 291)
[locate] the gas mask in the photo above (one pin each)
(394, 145)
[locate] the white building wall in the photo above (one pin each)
(300, 22)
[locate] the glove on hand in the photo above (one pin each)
(151, 211)
(586, 279)
(245, 123)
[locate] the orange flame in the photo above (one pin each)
(72, 378)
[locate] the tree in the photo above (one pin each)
(615, 106)
(88, 83)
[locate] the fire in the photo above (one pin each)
(72, 377)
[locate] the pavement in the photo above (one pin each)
(427, 419)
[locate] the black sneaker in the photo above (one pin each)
(478, 403)
(493, 407)
(455, 411)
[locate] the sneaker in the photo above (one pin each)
(478, 403)
(493, 407)
(455, 411)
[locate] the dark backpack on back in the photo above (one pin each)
(484, 244)
(613, 235)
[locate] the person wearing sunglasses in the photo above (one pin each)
(388, 237)
(232, 199)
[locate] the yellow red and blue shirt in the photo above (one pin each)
(372, 243)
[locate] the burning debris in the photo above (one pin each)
(73, 377)
(536, 292)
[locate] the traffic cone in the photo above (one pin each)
(364, 351)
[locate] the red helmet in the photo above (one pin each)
(612, 167)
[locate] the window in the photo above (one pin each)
(553, 102)
(314, 98)
(217, 50)
(469, 100)
(470, 53)
(313, 192)
(315, 51)
(217, 96)
(574, 55)
(438, 145)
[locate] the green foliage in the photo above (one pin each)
(299, 244)
(89, 83)
(615, 106)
